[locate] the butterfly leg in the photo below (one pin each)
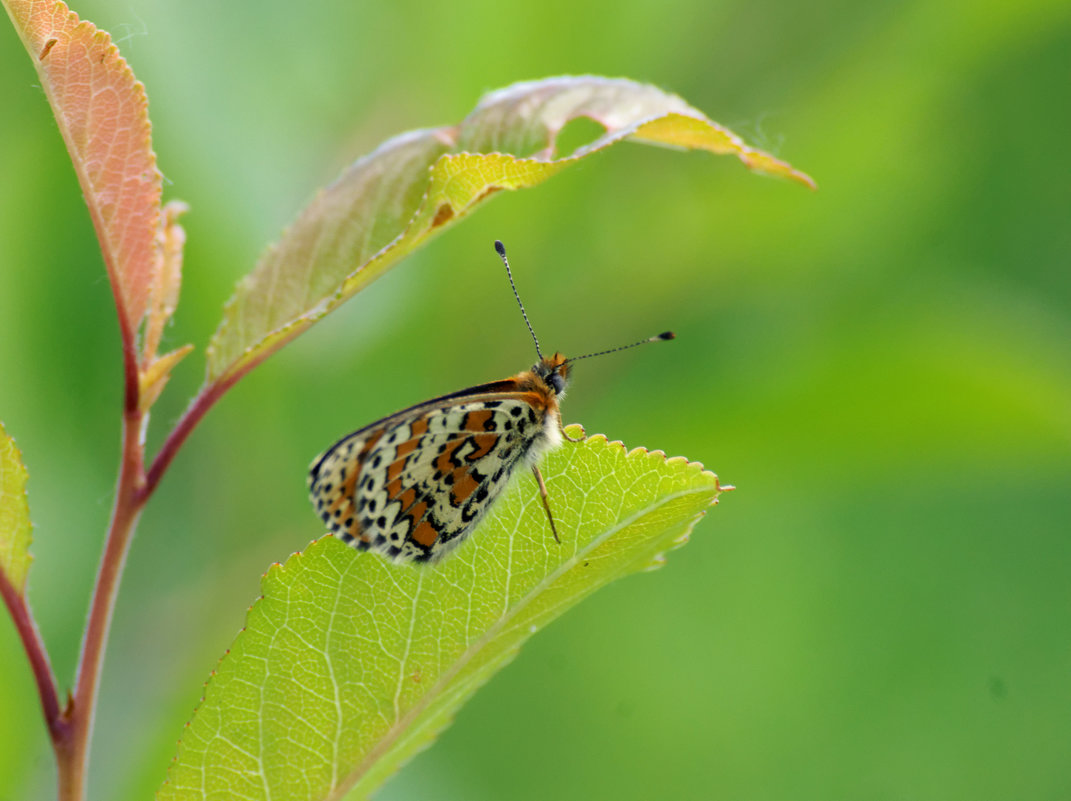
(546, 503)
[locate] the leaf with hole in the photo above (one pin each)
(393, 200)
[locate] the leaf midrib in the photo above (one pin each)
(387, 741)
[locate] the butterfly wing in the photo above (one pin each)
(413, 485)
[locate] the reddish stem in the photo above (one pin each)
(190, 418)
(72, 749)
(37, 654)
(71, 738)
(71, 727)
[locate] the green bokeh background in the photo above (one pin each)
(881, 611)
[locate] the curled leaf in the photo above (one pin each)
(393, 200)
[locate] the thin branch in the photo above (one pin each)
(189, 420)
(73, 752)
(135, 487)
(36, 653)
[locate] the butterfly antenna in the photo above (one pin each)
(500, 249)
(657, 338)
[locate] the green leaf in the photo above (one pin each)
(14, 515)
(391, 201)
(349, 665)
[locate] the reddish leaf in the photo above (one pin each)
(102, 114)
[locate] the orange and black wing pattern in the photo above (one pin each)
(414, 485)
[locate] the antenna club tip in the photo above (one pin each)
(500, 249)
(665, 335)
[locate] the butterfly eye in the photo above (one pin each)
(557, 383)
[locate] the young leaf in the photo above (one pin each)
(349, 665)
(102, 114)
(155, 370)
(164, 290)
(391, 201)
(14, 515)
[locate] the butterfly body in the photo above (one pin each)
(413, 485)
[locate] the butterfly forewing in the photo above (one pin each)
(414, 485)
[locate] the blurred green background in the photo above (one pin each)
(881, 611)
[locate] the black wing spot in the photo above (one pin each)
(516, 411)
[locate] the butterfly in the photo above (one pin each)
(413, 485)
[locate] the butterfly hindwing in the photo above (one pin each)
(414, 485)
(333, 479)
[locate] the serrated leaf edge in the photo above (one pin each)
(278, 570)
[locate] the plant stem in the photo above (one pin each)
(72, 747)
(74, 726)
(36, 653)
(197, 409)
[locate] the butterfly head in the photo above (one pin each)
(554, 371)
